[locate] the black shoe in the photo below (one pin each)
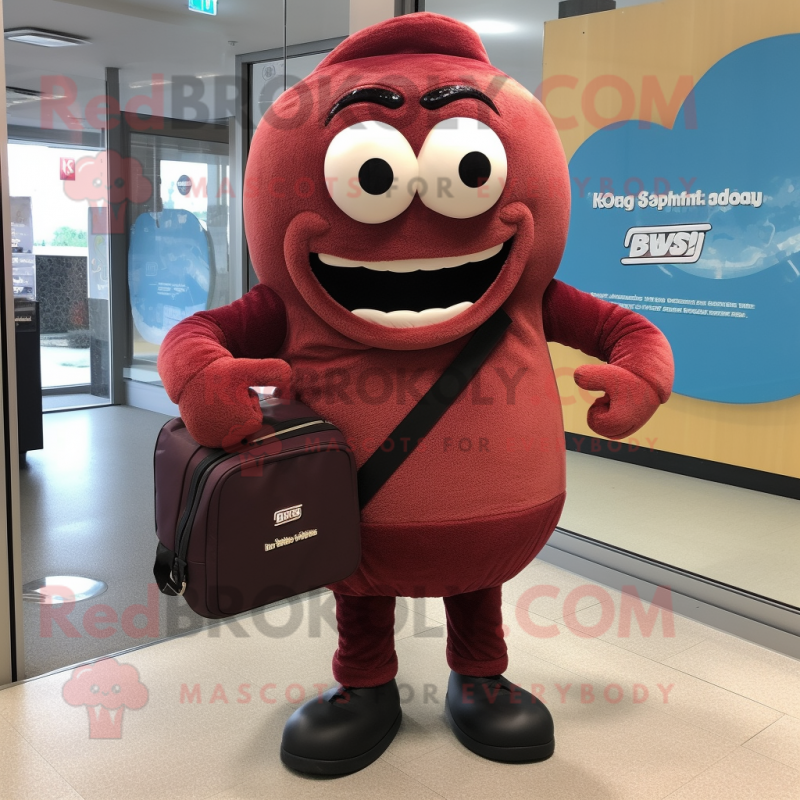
(343, 731)
(498, 720)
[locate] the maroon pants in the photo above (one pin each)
(366, 655)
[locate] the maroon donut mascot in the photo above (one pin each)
(394, 201)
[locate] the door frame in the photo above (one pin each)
(12, 657)
(241, 272)
(150, 397)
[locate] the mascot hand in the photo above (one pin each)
(629, 401)
(218, 408)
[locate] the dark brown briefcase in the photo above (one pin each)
(279, 515)
(268, 520)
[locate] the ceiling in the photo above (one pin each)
(164, 33)
(147, 37)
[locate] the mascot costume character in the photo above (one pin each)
(394, 200)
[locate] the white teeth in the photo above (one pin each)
(411, 264)
(411, 319)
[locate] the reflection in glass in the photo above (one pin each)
(178, 241)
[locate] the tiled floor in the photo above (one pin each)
(87, 510)
(697, 715)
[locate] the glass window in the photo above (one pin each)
(267, 81)
(734, 535)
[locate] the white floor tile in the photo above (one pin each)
(745, 668)
(24, 774)
(780, 741)
(656, 633)
(602, 751)
(601, 664)
(742, 775)
(550, 592)
(209, 738)
(627, 723)
(380, 780)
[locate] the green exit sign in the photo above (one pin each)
(203, 6)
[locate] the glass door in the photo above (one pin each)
(264, 76)
(59, 268)
(178, 243)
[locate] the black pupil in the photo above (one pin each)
(474, 169)
(375, 176)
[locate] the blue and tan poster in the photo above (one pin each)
(685, 173)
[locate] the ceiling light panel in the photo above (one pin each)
(43, 38)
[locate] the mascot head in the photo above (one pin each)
(407, 189)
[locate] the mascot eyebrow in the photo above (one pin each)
(383, 97)
(437, 98)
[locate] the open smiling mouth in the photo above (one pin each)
(412, 292)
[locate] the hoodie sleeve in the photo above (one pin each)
(251, 327)
(613, 334)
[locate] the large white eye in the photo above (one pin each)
(370, 171)
(462, 168)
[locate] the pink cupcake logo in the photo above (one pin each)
(90, 182)
(106, 688)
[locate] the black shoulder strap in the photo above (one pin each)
(416, 425)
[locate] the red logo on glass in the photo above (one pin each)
(67, 168)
